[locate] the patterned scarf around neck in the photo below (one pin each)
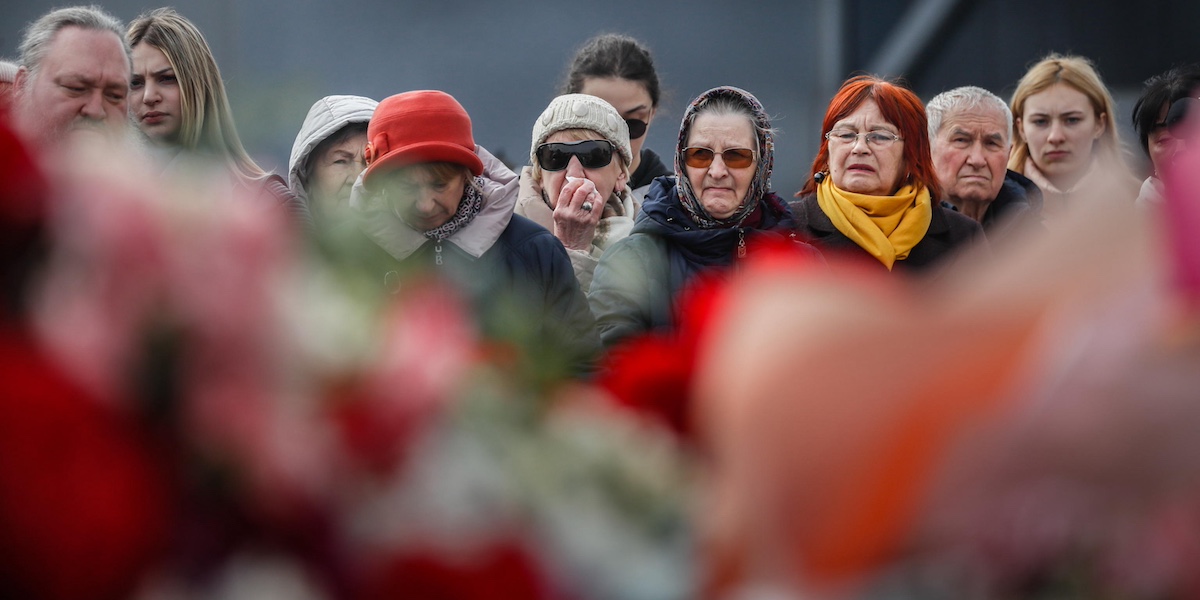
(468, 207)
(761, 183)
(887, 227)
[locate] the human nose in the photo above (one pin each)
(575, 168)
(93, 106)
(1178, 145)
(718, 169)
(150, 94)
(975, 156)
(429, 203)
(350, 174)
(860, 144)
(1057, 134)
(1181, 146)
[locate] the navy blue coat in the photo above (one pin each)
(525, 291)
(639, 277)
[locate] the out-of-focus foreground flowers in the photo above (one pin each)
(1022, 428)
(197, 405)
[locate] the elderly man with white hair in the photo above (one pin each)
(970, 130)
(74, 75)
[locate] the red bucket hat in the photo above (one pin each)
(419, 127)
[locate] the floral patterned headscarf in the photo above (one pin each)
(759, 186)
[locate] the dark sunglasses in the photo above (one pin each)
(637, 128)
(734, 158)
(1179, 113)
(592, 154)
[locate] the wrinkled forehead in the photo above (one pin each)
(866, 112)
(979, 120)
(352, 141)
(91, 54)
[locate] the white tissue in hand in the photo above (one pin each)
(587, 185)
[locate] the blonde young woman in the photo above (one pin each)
(1065, 136)
(178, 101)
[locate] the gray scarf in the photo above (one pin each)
(468, 207)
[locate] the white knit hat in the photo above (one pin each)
(581, 111)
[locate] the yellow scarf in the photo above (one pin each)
(885, 226)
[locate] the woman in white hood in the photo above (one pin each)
(327, 155)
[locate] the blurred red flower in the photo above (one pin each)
(502, 571)
(652, 373)
(83, 503)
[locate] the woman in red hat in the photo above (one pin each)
(438, 203)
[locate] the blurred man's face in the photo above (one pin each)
(1162, 146)
(81, 85)
(1183, 118)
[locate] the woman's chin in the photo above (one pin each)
(722, 212)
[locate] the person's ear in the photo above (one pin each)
(21, 80)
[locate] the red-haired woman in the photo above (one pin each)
(873, 188)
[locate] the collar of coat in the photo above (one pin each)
(384, 228)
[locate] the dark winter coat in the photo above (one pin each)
(515, 273)
(948, 231)
(639, 277)
(1017, 207)
(650, 167)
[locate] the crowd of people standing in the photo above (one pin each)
(572, 261)
(905, 188)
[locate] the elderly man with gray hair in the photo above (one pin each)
(970, 130)
(74, 75)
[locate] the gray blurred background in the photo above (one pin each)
(505, 60)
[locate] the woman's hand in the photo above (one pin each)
(576, 213)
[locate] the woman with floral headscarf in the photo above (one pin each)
(699, 219)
